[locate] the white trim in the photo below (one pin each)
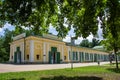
(48, 45)
(13, 51)
(22, 52)
(93, 57)
(62, 53)
(31, 51)
(68, 54)
(78, 56)
(10, 53)
(59, 48)
(89, 56)
(84, 55)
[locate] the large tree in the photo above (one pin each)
(83, 15)
(5, 45)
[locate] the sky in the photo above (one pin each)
(53, 31)
(6, 26)
(79, 39)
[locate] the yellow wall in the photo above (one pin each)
(41, 43)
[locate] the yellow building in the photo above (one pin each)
(50, 49)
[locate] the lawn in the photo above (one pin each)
(105, 72)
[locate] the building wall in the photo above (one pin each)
(37, 50)
(13, 47)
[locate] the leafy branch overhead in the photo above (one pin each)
(83, 15)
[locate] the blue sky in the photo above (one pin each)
(6, 26)
(53, 31)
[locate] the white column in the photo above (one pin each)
(89, 56)
(48, 45)
(22, 52)
(59, 48)
(84, 53)
(68, 54)
(10, 53)
(14, 49)
(93, 57)
(31, 51)
(62, 53)
(44, 54)
(78, 55)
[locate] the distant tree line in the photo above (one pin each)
(87, 43)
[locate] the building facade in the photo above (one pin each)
(51, 49)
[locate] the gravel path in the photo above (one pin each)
(31, 67)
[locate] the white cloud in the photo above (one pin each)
(6, 26)
(52, 30)
(78, 41)
(99, 32)
(67, 39)
(90, 37)
(1, 29)
(26, 28)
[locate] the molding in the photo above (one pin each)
(78, 55)
(31, 59)
(22, 52)
(62, 53)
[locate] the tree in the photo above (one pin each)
(112, 45)
(84, 43)
(36, 14)
(95, 42)
(4, 45)
(82, 15)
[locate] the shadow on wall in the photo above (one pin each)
(71, 78)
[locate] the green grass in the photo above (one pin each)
(105, 72)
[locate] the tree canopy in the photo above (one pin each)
(82, 15)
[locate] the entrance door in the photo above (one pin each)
(58, 57)
(54, 56)
(17, 56)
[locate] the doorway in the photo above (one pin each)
(17, 55)
(54, 56)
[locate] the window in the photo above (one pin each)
(38, 57)
(64, 57)
(27, 57)
(12, 57)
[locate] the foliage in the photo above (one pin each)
(36, 14)
(5, 41)
(86, 43)
(5, 46)
(83, 15)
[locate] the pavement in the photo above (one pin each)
(4, 68)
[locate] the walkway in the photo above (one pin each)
(31, 67)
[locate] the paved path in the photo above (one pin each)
(30, 67)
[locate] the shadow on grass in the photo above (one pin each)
(18, 79)
(114, 70)
(71, 78)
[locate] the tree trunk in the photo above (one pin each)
(116, 59)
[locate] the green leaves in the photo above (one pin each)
(82, 15)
